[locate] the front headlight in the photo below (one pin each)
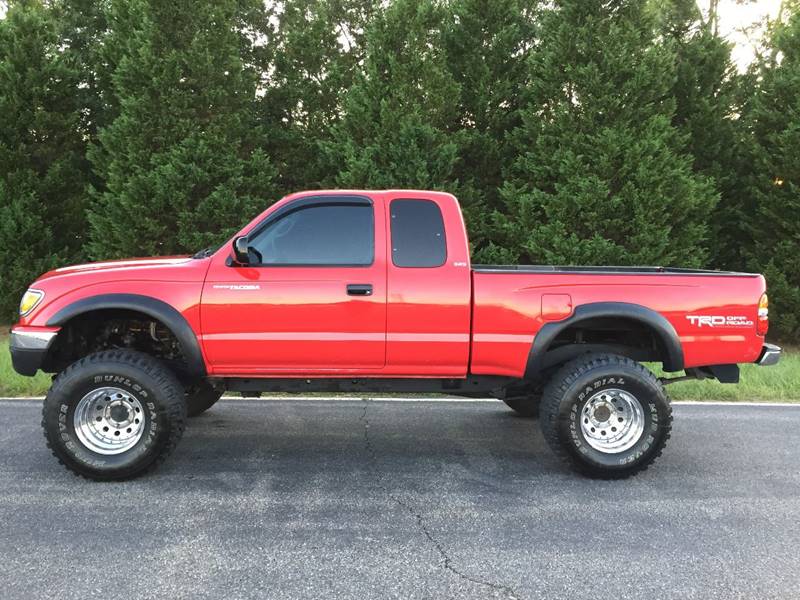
(30, 300)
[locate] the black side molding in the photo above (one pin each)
(663, 329)
(152, 307)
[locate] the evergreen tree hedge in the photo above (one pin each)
(572, 131)
(601, 174)
(43, 167)
(182, 162)
(706, 91)
(394, 132)
(315, 52)
(774, 119)
(487, 46)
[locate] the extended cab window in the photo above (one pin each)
(417, 234)
(320, 234)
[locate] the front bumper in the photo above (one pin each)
(770, 355)
(29, 347)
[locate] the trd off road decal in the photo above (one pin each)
(719, 321)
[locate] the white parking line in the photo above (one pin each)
(442, 400)
(789, 403)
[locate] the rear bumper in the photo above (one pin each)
(770, 355)
(29, 347)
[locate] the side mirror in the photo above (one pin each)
(241, 250)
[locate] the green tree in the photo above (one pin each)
(395, 130)
(708, 103)
(601, 175)
(182, 162)
(313, 56)
(89, 48)
(42, 151)
(487, 44)
(773, 117)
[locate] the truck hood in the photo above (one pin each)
(131, 264)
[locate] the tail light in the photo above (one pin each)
(763, 315)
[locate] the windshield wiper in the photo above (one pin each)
(204, 253)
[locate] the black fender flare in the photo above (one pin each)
(152, 307)
(663, 329)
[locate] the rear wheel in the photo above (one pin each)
(200, 397)
(606, 416)
(114, 415)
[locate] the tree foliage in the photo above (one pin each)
(43, 167)
(774, 121)
(315, 51)
(572, 131)
(182, 161)
(601, 175)
(397, 113)
(708, 101)
(488, 45)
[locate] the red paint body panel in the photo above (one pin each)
(507, 304)
(444, 321)
(301, 322)
(428, 313)
(295, 320)
(178, 281)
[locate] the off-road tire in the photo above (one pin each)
(571, 388)
(163, 409)
(524, 406)
(200, 397)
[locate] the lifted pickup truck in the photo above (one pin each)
(354, 291)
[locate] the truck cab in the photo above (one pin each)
(343, 283)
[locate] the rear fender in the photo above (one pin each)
(662, 329)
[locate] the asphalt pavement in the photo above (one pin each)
(386, 499)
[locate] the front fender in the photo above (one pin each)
(152, 307)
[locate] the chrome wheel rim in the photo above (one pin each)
(612, 421)
(109, 420)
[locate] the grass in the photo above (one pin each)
(12, 384)
(780, 383)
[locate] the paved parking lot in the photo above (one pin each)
(376, 499)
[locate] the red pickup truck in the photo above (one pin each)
(353, 291)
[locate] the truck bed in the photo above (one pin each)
(511, 304)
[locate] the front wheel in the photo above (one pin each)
(607, 416)
(114, 415)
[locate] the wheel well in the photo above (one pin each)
(634, 335)
(115, 328)
(628, 337)
(624, 328)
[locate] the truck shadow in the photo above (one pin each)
(297, 442)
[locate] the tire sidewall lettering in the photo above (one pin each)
(599, 384)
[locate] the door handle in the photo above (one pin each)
(359, 289)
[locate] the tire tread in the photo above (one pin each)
(172, 395)
(558, 386)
